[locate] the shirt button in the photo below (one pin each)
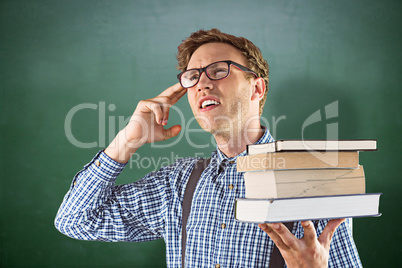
(231, 162)
(97, 163)
(231, 186)
(217, 266)
(223, 225)
(75, 183)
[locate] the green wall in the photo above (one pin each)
(105, 56)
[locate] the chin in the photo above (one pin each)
(215, 124)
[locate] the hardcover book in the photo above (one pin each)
(312, 145)
(307, 208)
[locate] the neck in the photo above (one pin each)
(232, 144)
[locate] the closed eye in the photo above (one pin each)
(218, 73)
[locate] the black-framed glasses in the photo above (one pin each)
(214, 71)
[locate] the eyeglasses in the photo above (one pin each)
(215, 71)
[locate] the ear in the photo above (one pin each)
(258, 89)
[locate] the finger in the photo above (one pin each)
(328, 232)
(165, 107)
(168, 101)
(310, 236)
(268, 228)
(156, 108)
(165, 114)
(172, 132)
(287, 238)
(172, 90)
(174, 93)
(178, 95)
(160, 107)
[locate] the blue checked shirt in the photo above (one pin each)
(95, 208)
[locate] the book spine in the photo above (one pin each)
(297, 160)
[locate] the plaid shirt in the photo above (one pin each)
(95, 208)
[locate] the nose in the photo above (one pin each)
(204, 82)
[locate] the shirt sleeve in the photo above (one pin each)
(95, 208)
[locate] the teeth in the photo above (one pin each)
(208, 102)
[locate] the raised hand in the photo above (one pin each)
(147, 124)
(309, 251)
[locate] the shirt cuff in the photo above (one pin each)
(104, 167)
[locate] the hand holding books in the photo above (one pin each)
(308, 251)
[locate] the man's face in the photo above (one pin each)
(228, 100)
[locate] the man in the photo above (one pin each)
(226, 81)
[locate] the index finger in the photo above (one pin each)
(281, 236)
(310, 235)
(176, 89)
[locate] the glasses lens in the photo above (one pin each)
(189, 78)
(215, 71)
(218, 70)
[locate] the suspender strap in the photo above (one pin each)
(199, 167)
(276, 260)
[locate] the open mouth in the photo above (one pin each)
(208, 103)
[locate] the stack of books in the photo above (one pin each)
(293, 180)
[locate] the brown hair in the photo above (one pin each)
(252, 53)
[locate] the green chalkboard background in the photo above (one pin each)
(71, 73)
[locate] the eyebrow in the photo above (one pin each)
(207, 64)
